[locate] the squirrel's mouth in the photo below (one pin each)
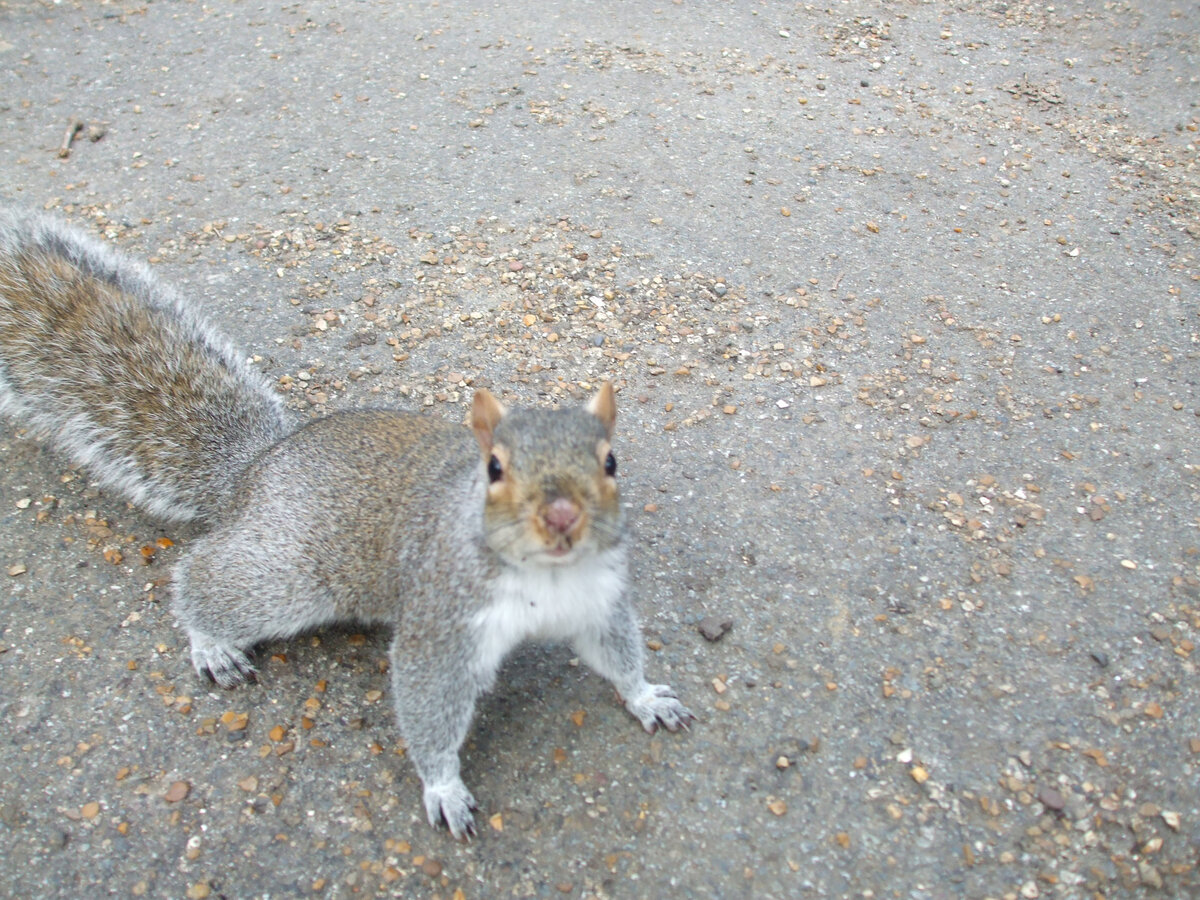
(560, 551)
(560, 546)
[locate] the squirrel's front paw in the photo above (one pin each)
(655, 705)
(223, 663)
(451, 804)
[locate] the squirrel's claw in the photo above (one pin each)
(468, 833)
(451, 804)
(656, 706)
(224, 664)
(682, 721)
(678, 720)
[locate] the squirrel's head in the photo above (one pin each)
(551, 478)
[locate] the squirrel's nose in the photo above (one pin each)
(561, 515)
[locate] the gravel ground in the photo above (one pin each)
(901, 301)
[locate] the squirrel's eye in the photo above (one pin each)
(495, 470)
(610, 465)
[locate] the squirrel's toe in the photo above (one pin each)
(450, 804)
(657, 705)
(225, 664)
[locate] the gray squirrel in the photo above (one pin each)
(465, 542)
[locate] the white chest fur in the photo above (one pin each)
(546, 603)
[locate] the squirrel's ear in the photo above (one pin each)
(604, 407)
(486, 413)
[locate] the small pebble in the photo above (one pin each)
(432, 868)
(1050, 798)
(713, 628)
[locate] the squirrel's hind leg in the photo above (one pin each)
(227, 603)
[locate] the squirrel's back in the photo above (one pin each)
(121, 374)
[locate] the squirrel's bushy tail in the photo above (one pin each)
(111, 367)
